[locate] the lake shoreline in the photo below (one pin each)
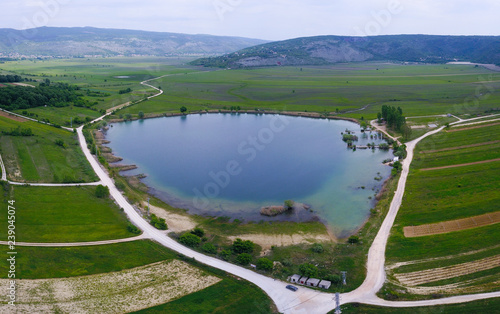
(296, 217)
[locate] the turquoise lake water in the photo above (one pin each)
(234, 164)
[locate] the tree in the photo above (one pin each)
(289, 204)
(190, 239)
(183, 109)
(101, 191)
(363, 125)
(264, 264)
(158, 223)
(209, 248)
(240, 246)
(308, 270)
(244, 259)
(198, 231)
(225, 254)
(141, 115)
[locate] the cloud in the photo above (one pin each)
(278, 19)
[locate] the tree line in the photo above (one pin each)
(395, 119)
(46, 94)
(10, 78)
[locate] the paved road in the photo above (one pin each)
(304, 300)
(73, 244)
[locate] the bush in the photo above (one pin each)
(190, 239)
(317, 248)
(244, 259)
(264, 264)
(335, 279)
(133, 229)
(308, 270)
(158, 223)
(101, 191)
(225, 254)
(240, 246)
(289, 204)
(60, 143)
(198, 231)
(183, 109)
(209, 248)
(353, 239)
(141, 115)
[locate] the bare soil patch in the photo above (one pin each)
(452, 225)
(266, 241)
(175, 222)
(12, 117)
(458, 147)
(462, 165)
(120, 292)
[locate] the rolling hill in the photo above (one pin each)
(334, 49)
(81, 41)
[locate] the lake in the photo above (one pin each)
(234, 164)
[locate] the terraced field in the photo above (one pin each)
(445, 239)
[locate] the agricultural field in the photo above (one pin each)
(448, 184)
(38, 158)
(80, 266)
(64, 214)
(420, 90)
(100, 81)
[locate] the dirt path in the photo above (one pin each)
(383, 129)
(452, 225)
(458, 147)
(474, 127)
(74, 244)
(462, 165)
(12, 117)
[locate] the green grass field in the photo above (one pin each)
(64, 214)
(38, 159)
(482, 306)
(228, 296)
(46, 262)
(448, 194)
(418, 90)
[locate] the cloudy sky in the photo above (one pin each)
(264, 19)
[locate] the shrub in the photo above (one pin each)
(198, 231)
(190, 239)
(183, 109)
(60, 143)
(225, 254)
(101, 191)
(353, 239)
(244, 259)
(308, 270)
(317, 248)
(133, 229)
(335, 279)
(289, 204)
(264, 264)
(240, 246)
(141, 115)
(158, 223)
(209, 248)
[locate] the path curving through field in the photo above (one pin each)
(304, 300)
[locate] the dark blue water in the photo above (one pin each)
(228, 164)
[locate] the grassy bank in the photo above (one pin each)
(39, 158)
(64, 214)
